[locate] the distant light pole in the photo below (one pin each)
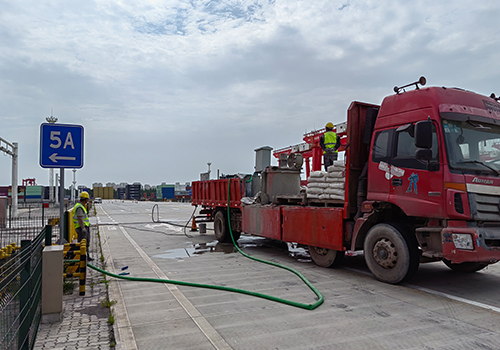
(57, 181)
(74, 187)
(51, 120)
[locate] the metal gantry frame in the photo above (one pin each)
(12, 150)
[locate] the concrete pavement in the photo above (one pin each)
(359, 312)
(85, 321)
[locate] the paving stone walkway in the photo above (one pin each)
(85, 320)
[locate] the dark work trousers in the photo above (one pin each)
(329, 158)
(84, 234)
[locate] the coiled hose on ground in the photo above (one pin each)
(229, 289)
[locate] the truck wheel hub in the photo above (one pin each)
(321, 251)
(385, 253)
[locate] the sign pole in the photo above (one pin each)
(61, 205)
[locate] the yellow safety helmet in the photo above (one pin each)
(84, 195)
(329, 125)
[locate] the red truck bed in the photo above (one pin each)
(314, 226)
(213, 193)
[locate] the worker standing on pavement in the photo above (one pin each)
(81, 220)
(330, 143)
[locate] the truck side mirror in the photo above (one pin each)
(423, 134)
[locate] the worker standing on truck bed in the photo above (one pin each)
(330, 143)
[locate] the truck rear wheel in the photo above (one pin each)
(391, 253)
(466, 267)
(221, 228)
(326, 257)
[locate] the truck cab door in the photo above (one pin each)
(380, 170)
(419, 191)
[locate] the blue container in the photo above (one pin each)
(168, 192)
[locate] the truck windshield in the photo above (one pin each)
(472, 146)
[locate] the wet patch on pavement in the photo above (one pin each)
(298, 252)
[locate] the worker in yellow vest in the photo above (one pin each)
(330, 143)
(81, 220)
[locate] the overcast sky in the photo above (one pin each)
(163, 87)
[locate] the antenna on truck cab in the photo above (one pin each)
(422, 81)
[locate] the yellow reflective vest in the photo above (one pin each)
(86, 220)
(330, 140)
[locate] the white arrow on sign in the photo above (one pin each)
(55, 158)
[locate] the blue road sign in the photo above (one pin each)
(61, 146)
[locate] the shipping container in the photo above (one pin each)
(4, 191)
(168, 192)
(20, 193)
(133, 191)
(98, 191)
(121, 193)
(33, 198)
(34, 190)
(109, 193)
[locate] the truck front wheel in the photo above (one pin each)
(221, 228)
(326, 257)
(391, 253)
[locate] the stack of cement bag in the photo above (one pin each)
(327, 185)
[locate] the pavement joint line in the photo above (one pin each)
(441, 294)
(206, 328)
(124, 334)
(452, 297)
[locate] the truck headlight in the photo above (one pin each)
(463, 241)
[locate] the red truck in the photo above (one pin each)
(422, 184)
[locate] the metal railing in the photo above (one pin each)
(21, 292)
(37, 209)
(15, 230)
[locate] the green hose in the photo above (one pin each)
(199, 285)
(301, 305)
(229, 289)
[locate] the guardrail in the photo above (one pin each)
(21, 292)
(14, 230)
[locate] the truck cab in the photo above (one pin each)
(433, 182)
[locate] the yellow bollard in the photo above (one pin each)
(83, 265)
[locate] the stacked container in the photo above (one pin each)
(33, 193)
(104, 192)
(164, 192)
(20, 193)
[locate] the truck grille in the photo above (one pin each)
(484, 207)
(492, 243)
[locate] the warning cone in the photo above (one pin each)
(193, 226)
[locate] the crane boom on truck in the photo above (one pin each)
(422, 183)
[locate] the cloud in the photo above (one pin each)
(163, 87)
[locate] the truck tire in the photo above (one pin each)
(326, 257)
(391, 253)
(221, 228)
(466, 267)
